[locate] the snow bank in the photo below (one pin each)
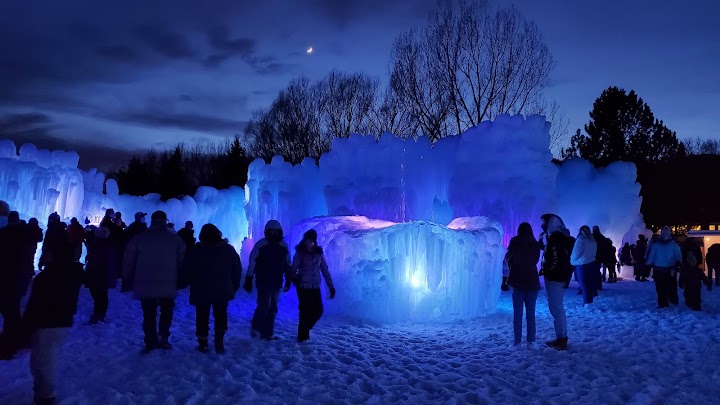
(421, 271)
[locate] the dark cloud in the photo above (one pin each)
(119, 53)
(170, 44)
(193, 122)
(19, 122)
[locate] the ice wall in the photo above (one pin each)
(420, 271)
(37, 183)
(607, 197)
(501, 169)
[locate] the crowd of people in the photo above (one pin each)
(563, 255)
(153, 262)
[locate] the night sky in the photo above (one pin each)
(109, 77)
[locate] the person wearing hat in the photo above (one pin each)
(152, 263)
(269, 264)
(665, 258)
(308, 266)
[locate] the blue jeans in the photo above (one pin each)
(555, 293)
(588, 275)
(526, 299)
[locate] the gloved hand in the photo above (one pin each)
(288, 284)
(248, 284)
(332, 293)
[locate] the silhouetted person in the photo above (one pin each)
(136, 228)
(118, 221)
(310, 268)
(101, 273)
(692, 278)
(214, 272)
(522, 256)
(76, 235)
(583, 257)
(557, 271)
(152, 263)
(187, 234)
(269, 264)
(712, 259)
(55, 235)
(638, 258)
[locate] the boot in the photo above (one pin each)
(202, 344)
(219, 343)
(44, 401)
(558, 344)
(164, 344)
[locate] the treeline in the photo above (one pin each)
(179, 172)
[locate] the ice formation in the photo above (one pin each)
(436, 213)
(390, 272)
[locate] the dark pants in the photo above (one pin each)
(77, 251)
(524, 300)
(100, 302)
(263, 320)
(710, 268)
(692, 297)
(612, 273)
(664, 286)
(311, 309)
(673, 288)
(202, 319)
(150, 326)
(588, 275)
(10, 311)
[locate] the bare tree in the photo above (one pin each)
(346, 103)
(389, 116)
(471, 63)
(699, 146)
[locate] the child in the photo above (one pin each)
(308, 264)
(691, 278)
(269, 264)
(49, 316)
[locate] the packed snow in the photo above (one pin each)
(621, 350)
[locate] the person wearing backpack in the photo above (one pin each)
(557, 271)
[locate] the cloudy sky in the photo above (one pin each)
(110, 77)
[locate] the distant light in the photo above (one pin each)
(310, 50)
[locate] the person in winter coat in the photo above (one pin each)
(49, 316)
(214, 270)
(4, 212)
(605, 254)
(712, 259)
(119, 221)
(639, 259)
(665, 258)
(522, 257)
(135, 229)
(15, 244)
(187, 234)
(101, 273)
(269, 264)
(152, 263)
(557, 271)
(612, 264)
(37, 234)
(625, 255)
(583, 258)
(76, 235)
(691, 279)
(307, 266)
(55, 235)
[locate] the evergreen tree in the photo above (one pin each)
(623, 128)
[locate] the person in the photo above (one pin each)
(101, 273)
(214, 271)
(625, 255)
(308, 266)
(522, 257)
(583, 257)
(152, 264)
(665, 258)
(55, 235)
(187, 234)
(49, 316)
(647, 269)
(136, 228)
(691, 279)
(638, 258)
(118, 221)
(612, 264)
(712, 259)
(15, 244)
(505, 273)
(605, 254)
(269, 263)
(76, 235)
(4, 212)
(171, 227)
(557, 271)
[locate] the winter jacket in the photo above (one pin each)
(713, 256)
(605, 251)
(692, 278)
(102, 269)
(188, 236)
(307, 266)
(556, 260)
(152, 261)
(17, 251)
(691, 247)
(665, 253)
(269, 263)
(522, 256)
(135, 229)
(638, 252)
(54, 297)
(214, 272)
(76, 233)
(54, 236)
(584, 251)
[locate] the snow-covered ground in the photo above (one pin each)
(622, 350)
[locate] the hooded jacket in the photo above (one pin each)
(308, 265)
(270, 258)
(556, 263)
(665, 252)
(522, 256)
(214, 271)
(585, 248)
